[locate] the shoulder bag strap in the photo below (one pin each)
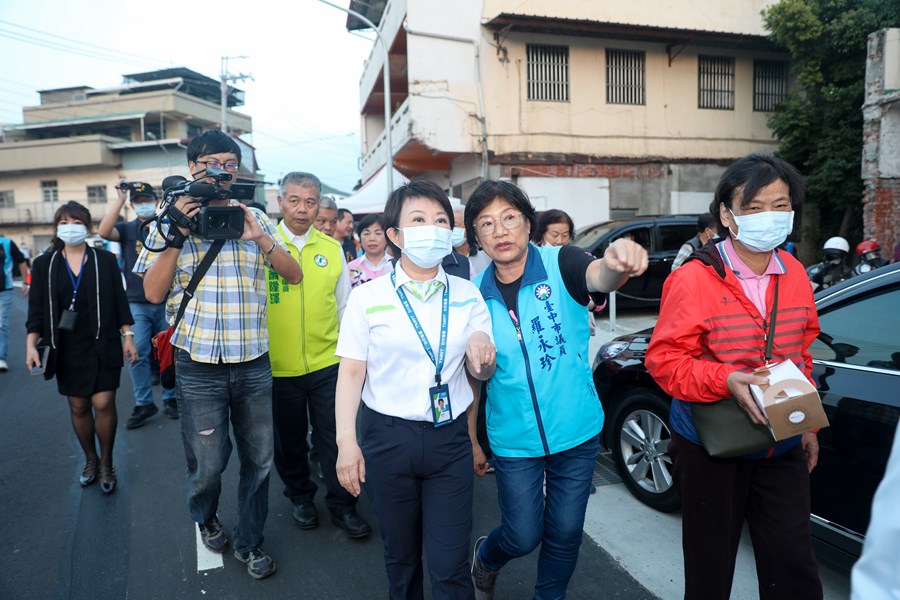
(208, 258)
(770, 338)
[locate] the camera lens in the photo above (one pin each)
(216, 221)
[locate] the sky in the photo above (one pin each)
(304, 96)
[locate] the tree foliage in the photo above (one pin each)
(819, 126)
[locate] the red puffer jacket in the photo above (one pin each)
(708, 328)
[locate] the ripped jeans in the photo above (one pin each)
(208, 396)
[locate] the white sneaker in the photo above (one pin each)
(3, 366)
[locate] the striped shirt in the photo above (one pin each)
(225, 321)
(754, 285)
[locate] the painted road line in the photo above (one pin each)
(206, 558)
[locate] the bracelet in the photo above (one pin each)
(272, 249)
(127, 334)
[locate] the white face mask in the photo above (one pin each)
(763, 231)
(144, 210)
(72, 234)
(458, 237)
(426, 245)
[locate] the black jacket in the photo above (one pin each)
(102, 286)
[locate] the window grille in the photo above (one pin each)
(626, 76)
(716, 82)
(96, 194)
(7, 199)
(769, 84)
(548, 72)
(49, 191)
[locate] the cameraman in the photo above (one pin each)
(221, 355)
(149, 319)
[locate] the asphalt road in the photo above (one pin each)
(59, 541)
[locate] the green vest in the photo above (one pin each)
(303, 318)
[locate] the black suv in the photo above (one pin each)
(856, 367)
(662, 236)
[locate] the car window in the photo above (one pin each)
(862, 332)
(673, 237)
(589, 237)
(641, 235)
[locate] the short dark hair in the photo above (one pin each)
(485, 193)
(73, 210)
(749, 175)
(369, 220)
(705, 221)
(550, 217)
(342, 212)
(416, 188)
(212, 142)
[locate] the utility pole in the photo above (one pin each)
(224, 80)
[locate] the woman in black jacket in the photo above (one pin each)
(78, 310)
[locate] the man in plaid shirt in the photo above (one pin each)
(222, 361)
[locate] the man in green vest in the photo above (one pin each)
(303, 324)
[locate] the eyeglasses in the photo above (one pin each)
(214, 164)
(509, 220)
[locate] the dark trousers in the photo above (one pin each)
(717, 495)
(293, 398)
(420, 481)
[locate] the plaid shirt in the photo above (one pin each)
(226, 319)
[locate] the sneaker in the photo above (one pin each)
(3, 366)
(170, 408)
(213, 535)
(259, 564)
(482, 579)
(140, 414)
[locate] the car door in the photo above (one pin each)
(856, 362)
(669, 239)
(637, 291)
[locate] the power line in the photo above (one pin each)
(82, 43)
(20, 37)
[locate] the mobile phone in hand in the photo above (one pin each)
(43, 351)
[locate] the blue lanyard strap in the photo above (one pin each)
(75, 282)
(445, 312)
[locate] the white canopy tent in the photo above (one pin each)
(370, 198)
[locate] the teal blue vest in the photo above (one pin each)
(541, 399)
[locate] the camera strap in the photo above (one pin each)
(208, 258)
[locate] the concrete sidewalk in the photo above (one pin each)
(647, 543)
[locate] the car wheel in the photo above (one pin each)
(640, 449)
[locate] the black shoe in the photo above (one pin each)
(353, 525)
(305, 515)
(140, 414)
(259, 564)
(213, 535)
(170, 408)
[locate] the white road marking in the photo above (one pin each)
(206, 559)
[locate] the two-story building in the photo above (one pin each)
(80, 141)
(602, 109)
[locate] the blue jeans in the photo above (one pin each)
(208, 394)
(149, 319)
(6, 298)
(528, 518)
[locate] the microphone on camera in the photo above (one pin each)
(173, 181)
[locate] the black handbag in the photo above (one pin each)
(724, 428)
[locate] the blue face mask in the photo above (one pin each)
(458, 237)
(145, 210)
(763, 231)
(426, 245)
(71, 234)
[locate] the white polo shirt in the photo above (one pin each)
(376, 329)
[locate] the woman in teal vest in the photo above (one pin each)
(543, 415)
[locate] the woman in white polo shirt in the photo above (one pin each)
(406, 342)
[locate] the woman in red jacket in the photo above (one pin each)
(711, 334)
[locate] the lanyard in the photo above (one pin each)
(445, 311)
(75, 282)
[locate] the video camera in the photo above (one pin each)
(212, 222)
(134, 187)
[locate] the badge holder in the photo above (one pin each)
(441, 411)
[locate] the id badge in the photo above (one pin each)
(440, 404)
(67, 320)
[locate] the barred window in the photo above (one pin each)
(49, 191)
(716, 82)
(769, 84)
(626, 76)
(7, 199)
(548, 72)
(96, 194)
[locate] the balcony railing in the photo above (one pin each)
(400, 132)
